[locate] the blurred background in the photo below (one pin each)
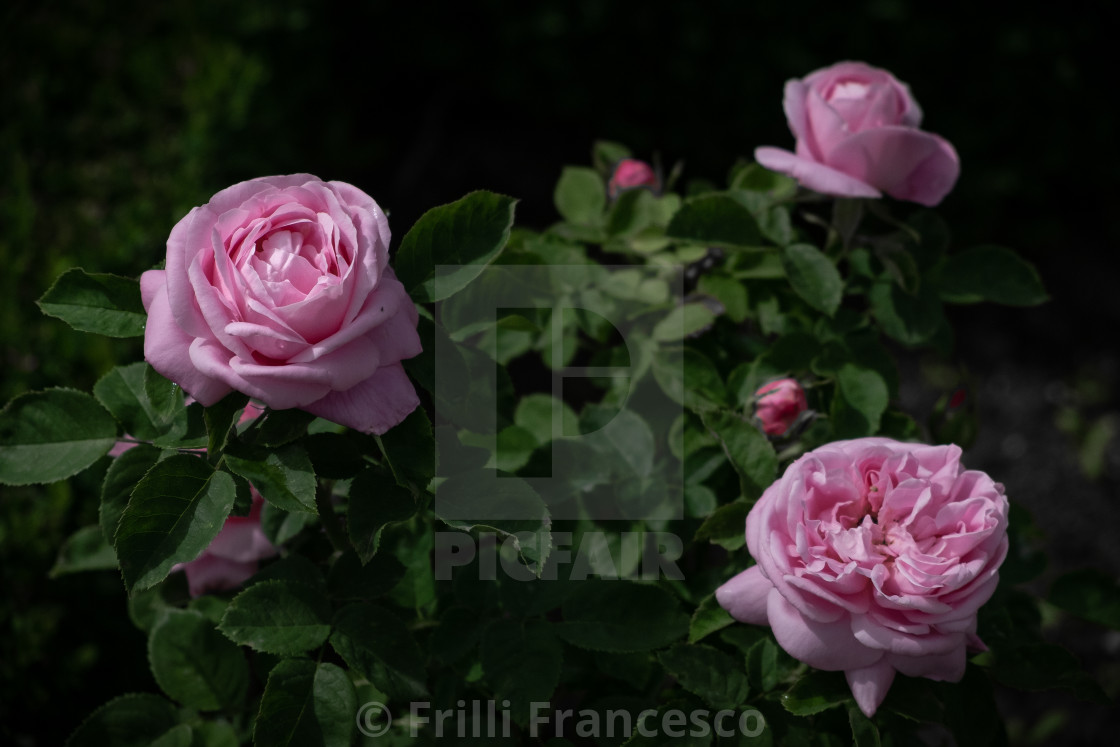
(119, 117)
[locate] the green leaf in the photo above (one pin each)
(813, 277)
(623, 433)
(521, 661)
(816, 691)
(175, 512)
(508, 505)
(710, 674)
(133, 720)
(164, 397)
(762, 665)
(912, 320)
(219, 419)
(103, 304)
(729, 292)
(375, 501)
(177, 736)
(376, 644)
(606, 153)
(683, 321)
(540, 414)
(991, 273)
(864, 731)
(84, 550)
(689, 378)
(410, 449)
(194, 664)
(747, 447)
(866, 391)
(51, 435)
(621, 616)
(281, 427)
(350, 579)
(580, 196)
(707, 619)
(715, 219)
(1090, 594)
(124, 393)
(285, 478)
(470, 231)
(726, 526)
(278, 617)
(305, 703)
(280, 525)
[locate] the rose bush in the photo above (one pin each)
(779, 404)
(857, 136)
(873, 557)
(232, 557)
(280, 288)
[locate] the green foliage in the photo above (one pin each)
(278, 617)
(306, 702)
(51, 435)
(103, 304)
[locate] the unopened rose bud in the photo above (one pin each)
(779, 404)
(631, 173)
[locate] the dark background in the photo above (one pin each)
(119, 117)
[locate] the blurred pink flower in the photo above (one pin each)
(779, 404)
(232, 556)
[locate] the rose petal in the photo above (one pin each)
(906, 163)
(374, 406)
(870, 685)
(812, 175)
(167, 350)
(828, 646)
(744, 596)
(210, 573)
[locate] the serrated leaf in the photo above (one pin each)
(707, 619)
(285, 478)
(196, 665)
(521, 661)
(683, 321)
(100, 303)
(866, 391)
(124, 392)
(707, 673)
(375, 501)
(731, 294)
(84, 550)
(410, 449)
(689, 378)
(508, 505)
(621, 616)
(471, 232)
(51, 435)
(278, 617)
(726, 526)
(132, 720)
(580, 196)
(305, 703)
(750, 452)
(174, 513)
(715, 219)
(864, 731)
(816, 691)
(375, 643)
(991, 273)
(219, 418)
(813, 277)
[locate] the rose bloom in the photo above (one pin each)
(231, 559)
(280, 287)
(631, 173)
(873, 557)
(857, 136)
(779, 404)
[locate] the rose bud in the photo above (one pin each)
(778, 405)
(630, 173)
(873, 557)
(857, 135)
(280, 288)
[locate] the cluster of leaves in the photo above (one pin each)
(567, 496)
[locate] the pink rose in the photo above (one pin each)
(280, 288)
(873, 557)
(231, 559)
(779, 404)
(630, 173)
(857, 136)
